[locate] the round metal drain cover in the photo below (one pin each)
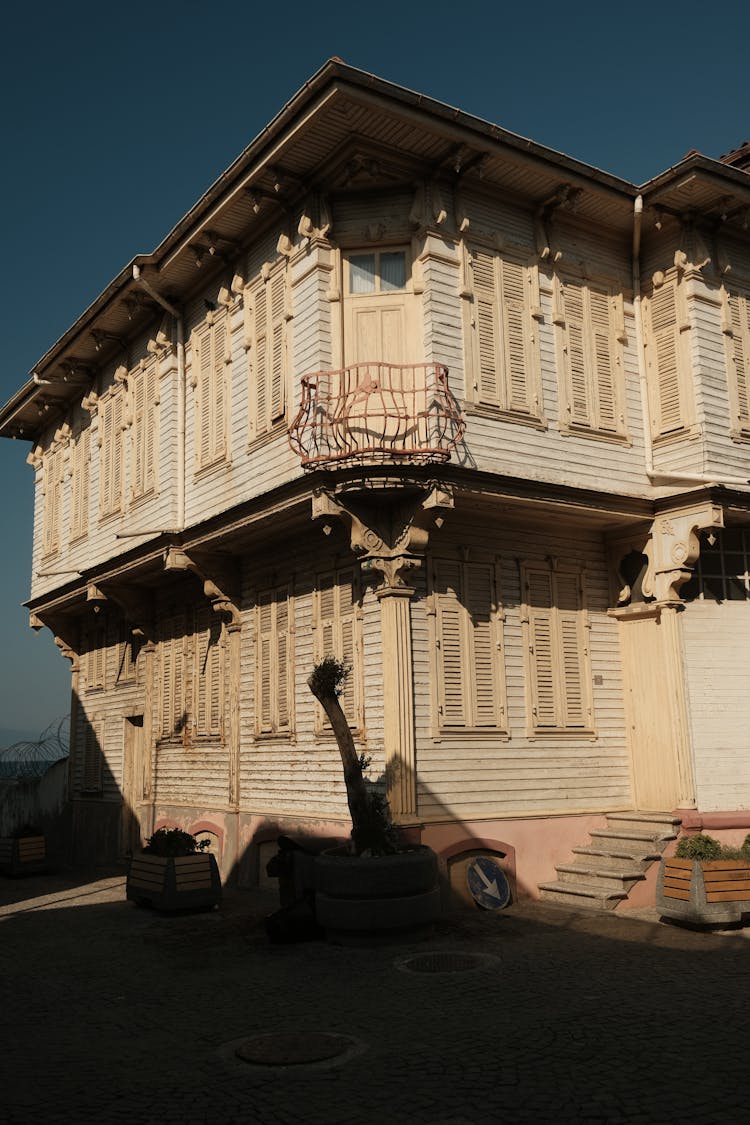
(444, 962)
(293, 1048)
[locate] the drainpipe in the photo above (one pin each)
(651, 473)
(181, 395)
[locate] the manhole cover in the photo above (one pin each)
(445, 962)
(292, 1048)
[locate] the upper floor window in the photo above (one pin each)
(380, 312)
(669, 389)
(503, 361)
(557, 646)
(144, 389)
(590, 317)
(79, 500)
(468, 643)
(111, 422)
(52, 487)
(210, 359)
(265, 338)
(737, 332)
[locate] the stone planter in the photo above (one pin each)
(704, 892)
(174, 882)
(24, 856)
(376, 894)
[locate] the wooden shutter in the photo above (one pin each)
(539, 602)
(516, 330)
(265, 664)
(579, 405)
(173, 677)
(144, 439)
(739, 322)
(337, 632)
(80, 495)
(487, 328)
(117, 441)
(603, 357)
(665, 358)
(282, 653)
(479, 585)
(260, 365)
(93, 756)
(207, 674)
(451, 643)
(277, 298)
(573, 710)
(52, 484)
(218, 389)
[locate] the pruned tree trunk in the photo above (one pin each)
(356, 792)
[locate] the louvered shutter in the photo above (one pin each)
(139, 434)
(117, 451)
(93, 757)
(346, 607)
(515, 330)
(149, 426)
(275, 391)
(282, 662)
(80, 498)
(204, 362)
(218, 393)
(480, 599)
(265, 671)
(260, 366)
(486, 326)
(601, 319)
(173, 676)
(573, 710)
(739, 313)
(665, 344)
(575, 325)
(105, 456)
(539, 601)
(451, 644)
(326, 611)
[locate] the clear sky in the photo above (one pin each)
(116, 118)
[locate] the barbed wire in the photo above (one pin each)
(33, 757)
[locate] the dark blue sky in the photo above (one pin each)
(116, 118)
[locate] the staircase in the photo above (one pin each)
(602, 874)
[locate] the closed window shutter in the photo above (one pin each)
(516, 323)
(218, 387)
(117, 432)
(173, 675)
(204, 395)
(264, 706)
(451, 643)
(539, 599)
(105, 457)
(139, 434)
(93, 757)
(260, 362)
(739, 313)
(282, 663)
(52, 501)
(337, 633)
(604, 357)
(480, 599)
(277, 286)
(579, 404)
(665, 343)
(574, 712)
(80, 495)
(207, 675)
(486, 325)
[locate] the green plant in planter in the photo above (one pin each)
(174, 842)
(373, 831)
(699, 846)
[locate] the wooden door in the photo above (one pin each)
(132, 785)
(653, 678)
(378, 308)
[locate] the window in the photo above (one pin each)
(503, 333)
(556, 634)
(380, 312)
(470, 679)
(668, 392)
(378, 271)
(210, 358)
(337, 633)
(80, 457)
(722, 572)
(274, 677)
(111, 418)
(52, 484)
(590, 316)
(192, 675)
(737, 331)
(93, 756)
(144, 389)
(265, 338)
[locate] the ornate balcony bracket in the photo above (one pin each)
(388, 532)
(673, 549)
(137, 608)
(220, 576)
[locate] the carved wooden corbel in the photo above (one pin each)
(220, 576)
(136, 605)
(673, 549)
(389, 533)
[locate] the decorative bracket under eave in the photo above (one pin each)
(137, 609)
(220, 575)
(389, 533)
(673, 549)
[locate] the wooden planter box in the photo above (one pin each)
(704, 892)
(174, 882)
(24, 856)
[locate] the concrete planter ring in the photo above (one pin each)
(376, 894)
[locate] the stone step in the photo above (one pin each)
(615, 879)
(611, 859)
(577, 896)
(662, 826)
(640, 844)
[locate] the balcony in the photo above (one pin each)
(377, 413)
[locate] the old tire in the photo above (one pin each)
(377, 914)
(388, 876)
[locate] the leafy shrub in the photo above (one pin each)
(173, 841)
(745, 849)
(699, 846)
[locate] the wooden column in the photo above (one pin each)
(398, 702)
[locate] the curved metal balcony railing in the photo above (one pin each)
(376, 413)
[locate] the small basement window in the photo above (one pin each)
(722, 573)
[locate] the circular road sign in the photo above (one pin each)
(488, 883)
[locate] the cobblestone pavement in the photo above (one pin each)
(113, 1013)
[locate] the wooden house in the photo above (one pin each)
(467, 413)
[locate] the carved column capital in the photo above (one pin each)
(673, 549)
